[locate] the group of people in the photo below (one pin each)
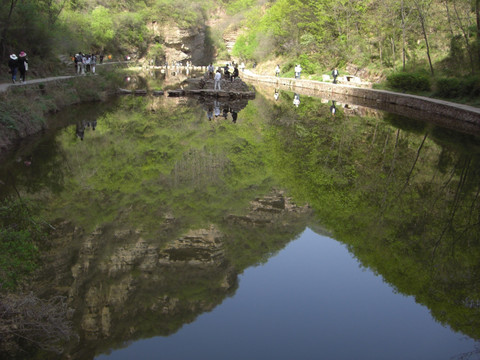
(85, 63)
(217, 76)
(18, 64)
(298, 72)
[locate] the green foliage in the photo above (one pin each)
(409, 81)
(452, 88)
(18, 256)
(245, 46)
(131, 32)
(307, 65)
(236, 6)
(157, 54)
(101, 26)
(400, 220)
(18, 236)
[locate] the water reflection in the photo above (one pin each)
(333, 108)
(222, 109)
(296, 100)
(156, 220)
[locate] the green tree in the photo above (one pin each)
(101, 26)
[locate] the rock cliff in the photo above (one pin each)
(182, 44)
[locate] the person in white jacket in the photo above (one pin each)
(218, 79)
(298, 70)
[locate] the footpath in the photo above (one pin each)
(459, 117)
(448, 114)
(5, 85)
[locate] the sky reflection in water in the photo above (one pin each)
(310, 301)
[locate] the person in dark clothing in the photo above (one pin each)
(335, 75)
(226, 72)
(22, 65)
(13, 65)
(235, 73)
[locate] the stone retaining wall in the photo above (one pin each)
(459, 117)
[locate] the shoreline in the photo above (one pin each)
(459, 117)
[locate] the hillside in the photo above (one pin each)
(436, 38)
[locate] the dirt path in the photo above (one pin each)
(5, 86)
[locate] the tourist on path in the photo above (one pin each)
(22, 65)
(277, 70)
(298, 71)
(88, 62)
(78, 62)
(93, 63)
(242, 66)
(335, 75)
(84, 63)
(218, 79)
(13, 65)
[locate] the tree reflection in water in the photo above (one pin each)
(158, 211)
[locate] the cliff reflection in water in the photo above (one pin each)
(159, 209)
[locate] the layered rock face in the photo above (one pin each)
(182, 45)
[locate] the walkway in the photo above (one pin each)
(455, 116)
(4, 87)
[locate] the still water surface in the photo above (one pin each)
(274, 228)
(311, 301)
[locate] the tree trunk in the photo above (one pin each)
(477, 13)
(465, 37)
(421, 17)
(449, 19)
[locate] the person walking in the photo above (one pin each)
(22, 65)
(84, 63)
(89, 62)
(78, 62)
(218, 79)
(13, 65)
(298, 71)
(335, 75)
(277, 70)
(93, 63)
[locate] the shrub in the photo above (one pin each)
(307, 65)
(409, 81)
(458, 87)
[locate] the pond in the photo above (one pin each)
(282, 227)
